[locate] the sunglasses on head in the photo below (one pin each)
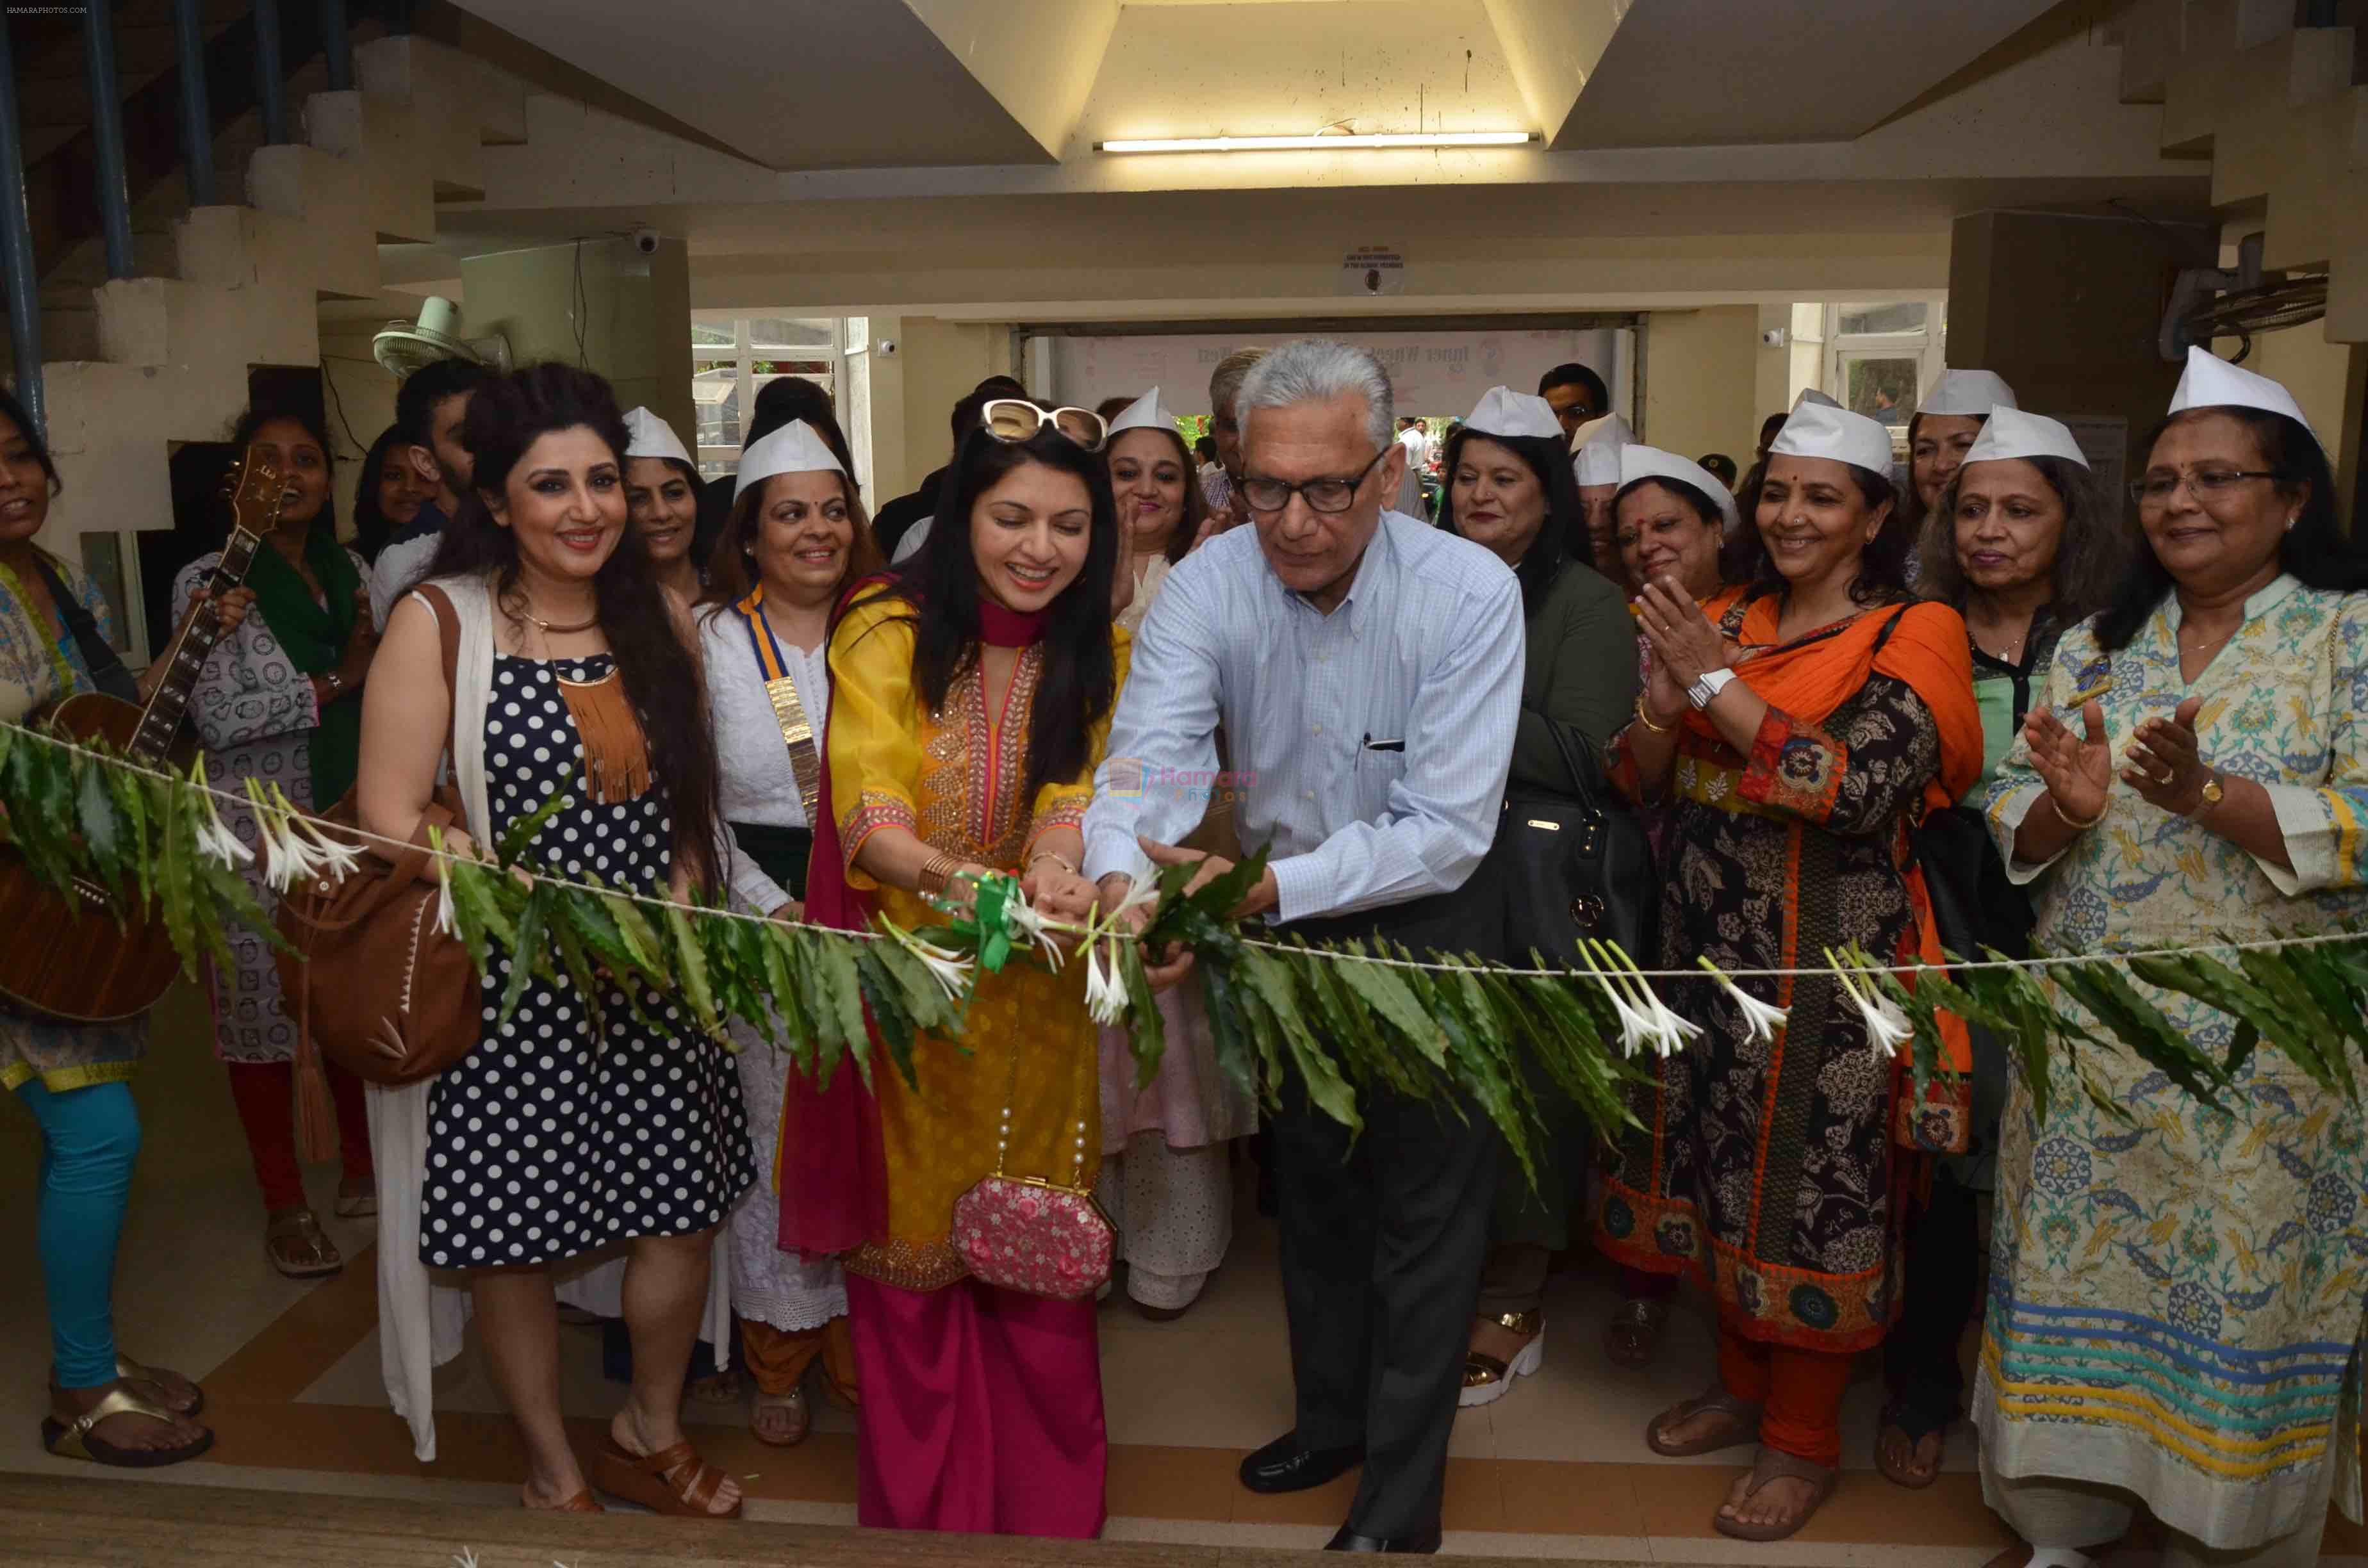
(1015, 419)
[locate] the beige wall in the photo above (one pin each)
(636, 316)
(2327, 379)
(360, 398)
(939, 362)
(1701, 373)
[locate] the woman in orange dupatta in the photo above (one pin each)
(1797, 726)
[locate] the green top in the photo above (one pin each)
(1581, 672)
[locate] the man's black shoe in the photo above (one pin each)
(1283, 1466)
(1349, 1540)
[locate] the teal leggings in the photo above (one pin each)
(90, 1138)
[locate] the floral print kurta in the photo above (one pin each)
(64, 1056)
(1766, 1171)
(2176, 1296)
(956, 778)
(255, 713)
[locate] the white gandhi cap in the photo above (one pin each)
(2014, 433)
(1144, 412)
(1597, 443)
(2212, 382)
(1504, 412)
(647, 436)
(1651, 462)
(1967, 394)
(1820, 430)
(792, 448)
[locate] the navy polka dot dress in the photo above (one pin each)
(545, 1142)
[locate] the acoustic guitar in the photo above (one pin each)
(92, 958)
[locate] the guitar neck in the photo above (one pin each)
(161, 721)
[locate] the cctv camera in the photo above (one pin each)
(646, 241)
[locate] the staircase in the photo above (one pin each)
(131, 365)
(2282, 113)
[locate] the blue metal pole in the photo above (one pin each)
(271, 83)
(337, 48)
(106, 133)
(16, 242)
(197, 112)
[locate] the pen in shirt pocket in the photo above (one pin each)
(1372, 744)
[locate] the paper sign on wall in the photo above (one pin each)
(1374, 269)
(2105, 442)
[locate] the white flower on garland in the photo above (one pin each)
(1758, 1017)
(1106, 997)
(295, 850)
(1646, 1022)
(1025, 919)
(214, 840)
(1887, 1026)
(1106, 1000)
(446, 925)
(951, 971)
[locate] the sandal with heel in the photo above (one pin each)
(674, 1481)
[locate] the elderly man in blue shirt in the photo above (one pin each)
(1367, 671)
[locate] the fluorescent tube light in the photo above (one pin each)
(1314, 143)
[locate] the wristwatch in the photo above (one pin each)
(2212, 795)
(1712, 683)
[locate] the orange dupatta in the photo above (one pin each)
(1926, 646)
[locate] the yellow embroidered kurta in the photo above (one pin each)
(956, 778)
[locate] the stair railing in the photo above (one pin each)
(17, 245)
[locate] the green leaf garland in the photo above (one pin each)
(1341, 1024)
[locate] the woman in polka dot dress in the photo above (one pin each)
(574, 1127)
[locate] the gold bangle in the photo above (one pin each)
(2074, 823)
(1058, 860)
(937, 872)
(1646, 718)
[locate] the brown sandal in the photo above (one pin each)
(1745, 1428)
(299, 1248)
(582, 1503)
(1904, 1473)
(1775, 1464)
(794, 1405)
(675, 1481)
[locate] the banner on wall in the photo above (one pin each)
(1434, 374)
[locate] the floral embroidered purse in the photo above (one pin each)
(1032, 1235)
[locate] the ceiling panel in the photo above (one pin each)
(1707, 73)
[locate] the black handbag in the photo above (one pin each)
(1574, 866)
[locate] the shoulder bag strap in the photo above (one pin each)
(107, 671)
(447, 636)
(1579, 757)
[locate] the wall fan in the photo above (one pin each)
(403, 347)
(2208, 302)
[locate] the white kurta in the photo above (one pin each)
(758, 785)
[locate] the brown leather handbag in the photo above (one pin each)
(381, 992)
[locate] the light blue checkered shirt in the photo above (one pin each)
(1425, 651)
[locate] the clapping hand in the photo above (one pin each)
(2076, 769)
(1686, 646)
(2165, 766)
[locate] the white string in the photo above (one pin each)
(404, 845)
(2266, 944)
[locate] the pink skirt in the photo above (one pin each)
(982, 1410)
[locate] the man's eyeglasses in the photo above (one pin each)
(1015, 419)
(2157, 489)
(1321, 494)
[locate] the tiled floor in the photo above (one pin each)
(1556, 1469)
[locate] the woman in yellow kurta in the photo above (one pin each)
(970, 702)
